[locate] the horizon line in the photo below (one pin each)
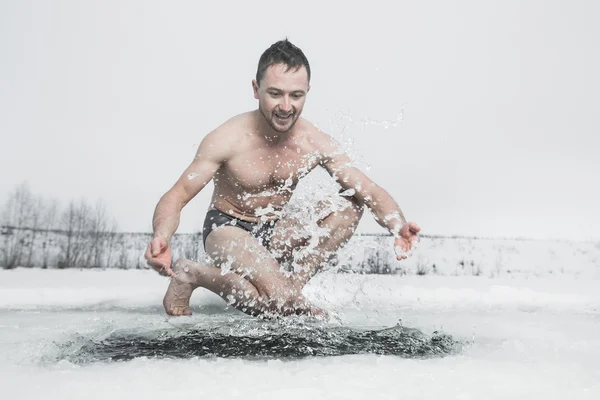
(4, 229)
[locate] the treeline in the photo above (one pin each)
(37, 231)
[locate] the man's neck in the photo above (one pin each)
(268, 134)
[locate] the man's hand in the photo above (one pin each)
(159, 256)
(407, 238)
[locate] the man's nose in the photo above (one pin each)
(285, 105)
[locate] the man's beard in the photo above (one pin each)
(293, 117)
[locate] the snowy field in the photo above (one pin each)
(515, 337)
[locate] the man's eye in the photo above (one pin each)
(275, 94)
(296, 96)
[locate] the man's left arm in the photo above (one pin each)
(385, 210)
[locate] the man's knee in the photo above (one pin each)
(355, 209)
(285, 241)
(275, 287)
(346, 220)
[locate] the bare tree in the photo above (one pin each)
(33, 232)
(68, 224)
(123, 256)
(49, 227)
(35, 221)
(194, 246)
(76, 223)
(98, 228)
(111, 237)
(16, 215)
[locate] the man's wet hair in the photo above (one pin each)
(282, 52)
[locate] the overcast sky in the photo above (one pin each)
(499, 99)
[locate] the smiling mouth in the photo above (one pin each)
(283, 118)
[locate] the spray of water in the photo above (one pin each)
(312, 201)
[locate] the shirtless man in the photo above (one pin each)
(256, 160)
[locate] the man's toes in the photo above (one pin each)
(179, 311)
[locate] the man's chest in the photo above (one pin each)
(256, 170)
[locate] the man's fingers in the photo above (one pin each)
(148, 253)
(410, 233)
(155, 247)
(155, 266)
(404, 245)
(413, 228)
(162, 270)
(158, 256)
(414, 240)
(158, 246)
(409, 229)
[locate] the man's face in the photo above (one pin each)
(281, 95)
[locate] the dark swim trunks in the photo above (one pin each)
(215, 218)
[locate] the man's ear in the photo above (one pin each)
(255, 88)
(308, 90)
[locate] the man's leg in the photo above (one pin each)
(254, 283)
(309, 256)
(190, 275)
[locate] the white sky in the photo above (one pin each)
(109, 99)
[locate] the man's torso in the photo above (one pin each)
(259, 176)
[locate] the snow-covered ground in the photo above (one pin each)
(525, 336)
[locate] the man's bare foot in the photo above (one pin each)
(177, 298)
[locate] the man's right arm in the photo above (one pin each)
(211, 154)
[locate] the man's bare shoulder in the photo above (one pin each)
(231, 132)
(228, 138)
(234, 128)
(315, 139)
